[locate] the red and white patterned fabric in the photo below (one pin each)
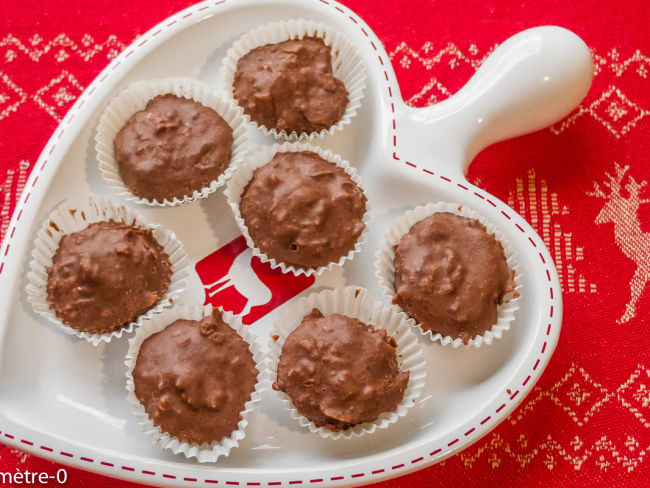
(580, 183)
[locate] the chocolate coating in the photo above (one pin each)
(106, 275)
(194, 378)
(340, 372)
(303, 210)
(290, 86)
(450, 275)
(172, 147)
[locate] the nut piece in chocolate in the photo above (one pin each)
(172, 148)
(450, 275)
(106, 275)
(290, 87)
(340, 372)
(194, 378)
(303, 210)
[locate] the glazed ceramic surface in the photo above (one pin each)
(62, 398)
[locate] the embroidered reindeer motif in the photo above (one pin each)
(623, 213)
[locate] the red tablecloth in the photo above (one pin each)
(587, 422)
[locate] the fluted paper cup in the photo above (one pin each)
(204, 453)
(347, 66)
(133, 99)
(76, 214)
(244, 173)
(357, 303)
(386, 273)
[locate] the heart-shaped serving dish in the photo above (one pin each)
(64, 399)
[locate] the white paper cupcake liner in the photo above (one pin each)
(354, 302)
(76, 214)
(243, 175)
(385, 270)
(204, 453)
(135, 98)
(347, 66)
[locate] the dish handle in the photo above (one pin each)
(530, 81)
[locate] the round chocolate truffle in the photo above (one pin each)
(194, 378)
(450, 275)
(303, 210)
(340, 372)
(106, 275)
(172, 148)
(290, 87)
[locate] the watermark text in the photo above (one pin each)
(28, 477)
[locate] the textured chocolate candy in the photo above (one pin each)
(172, 147)
(450, 275)
(290, 86)
(303, 210)
(194, 378)
(106, 275)
(340, 372)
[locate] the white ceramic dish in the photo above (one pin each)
(64, 399)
